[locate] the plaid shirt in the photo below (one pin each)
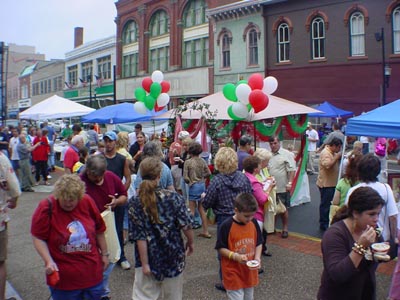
(223, 190)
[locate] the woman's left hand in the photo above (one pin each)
(106, 262)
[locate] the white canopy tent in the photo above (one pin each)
(55, 107)
(277, 107)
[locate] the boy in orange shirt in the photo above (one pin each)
(239, 242)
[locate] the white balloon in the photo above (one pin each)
(140, 107)
(270, 85)
(163, 100)
(157, 76)
(240, 110)
(243, 91)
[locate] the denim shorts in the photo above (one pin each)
(195, 191)
(92, 293)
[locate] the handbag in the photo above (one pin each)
(280, 208)
(111, 235)
(332, 211)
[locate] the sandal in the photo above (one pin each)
(205, 235)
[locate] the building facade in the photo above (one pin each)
(89, 76)
(170, 36)
(318, 50)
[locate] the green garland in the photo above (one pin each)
(294, 124)
(266, 130)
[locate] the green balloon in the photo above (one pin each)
(241, 81)
(140, 94)
(155, 90)
(229, 92)
(150, 102)
(232, 115)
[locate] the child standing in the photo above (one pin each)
(239, 241)
(195, 172)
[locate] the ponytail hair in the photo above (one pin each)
(150, 169)
(361, 199)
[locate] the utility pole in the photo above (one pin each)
(3, 80)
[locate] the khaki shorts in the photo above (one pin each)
(3, 245)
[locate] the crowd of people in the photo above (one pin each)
(158, 199)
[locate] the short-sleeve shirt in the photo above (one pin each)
(328, 172)
(14, 141)
(165, 247)
(71, 239)
(241, 156)
(243, 239)
(111, 185)
(165, 179)
(71, 157)
(313, 134)
(280, 165)
(343, 187)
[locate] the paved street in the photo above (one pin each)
(293, 272)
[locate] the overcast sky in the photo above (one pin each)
(49, 24)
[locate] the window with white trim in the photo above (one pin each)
(396, 30)
(226, 52)
(252, 49)
(104, 67)
(318, 38)
(87, 70)
(283, 41)
(357, 34)
(73, 75)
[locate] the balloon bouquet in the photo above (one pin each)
(249, 95)
(152, 94)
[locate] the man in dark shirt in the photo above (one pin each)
(119, 165)
(3, 141)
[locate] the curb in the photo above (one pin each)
(11, 292)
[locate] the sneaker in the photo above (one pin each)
(49, 177)
(125, 265)
(220, 287)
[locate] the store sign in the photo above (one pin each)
(24, 103)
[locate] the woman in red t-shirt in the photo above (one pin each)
(68, 233)
(40, 155)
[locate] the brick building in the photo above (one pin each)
(318, 50)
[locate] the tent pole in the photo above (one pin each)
(341, 161)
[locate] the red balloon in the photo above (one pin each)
(157, 108)
(146, 83)
(256, 81)
(165, 86)
(258, 100)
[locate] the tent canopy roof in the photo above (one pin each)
(55, 107)
(330, 111)
(117, 114)
(277, 107)
(383, 121)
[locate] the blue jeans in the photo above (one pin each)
(51, 160)
(326, 198)
(92, 293)
(106, 277)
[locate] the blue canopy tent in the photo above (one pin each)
(383, 121)
(330, 111)
(119, 113)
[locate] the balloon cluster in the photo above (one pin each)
(249, 94)
(152, 94)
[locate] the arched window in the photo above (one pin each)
(357, 34)
(130, 50)
(396, 30)
(159, 48)
(252, 47)
(130, 33)
(195, 42)
(283, 42)
(226, 51)
(159, 23)
(318, 38)
(194, 13)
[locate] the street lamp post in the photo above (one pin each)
(386, 70)
(89, 78)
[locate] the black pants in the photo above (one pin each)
(41, 169)
(326, 199)
(119, 226)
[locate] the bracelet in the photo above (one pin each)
(105, 254)
(360, 249)
(230, 255)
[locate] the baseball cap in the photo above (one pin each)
(111, 135)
